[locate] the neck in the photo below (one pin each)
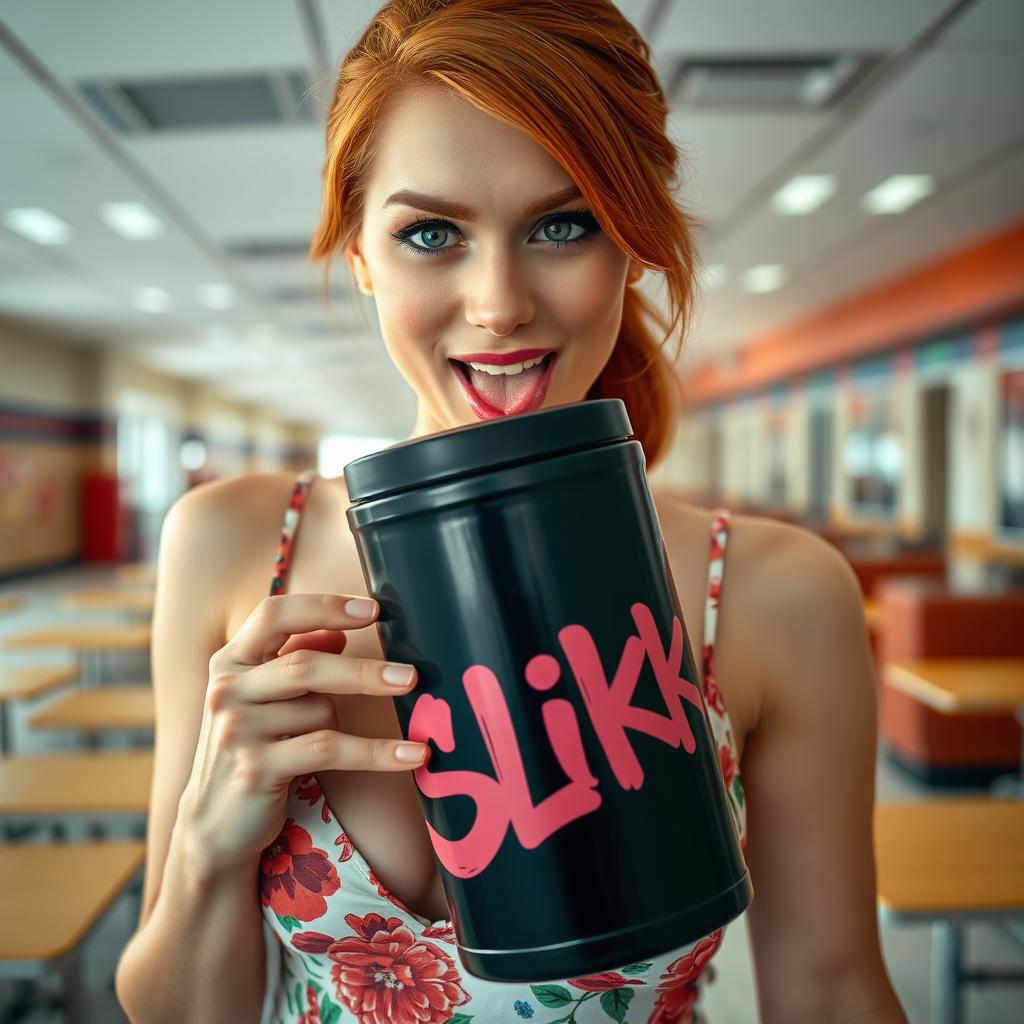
(425, 425)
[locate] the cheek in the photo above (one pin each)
(588, 300)
(412, 312)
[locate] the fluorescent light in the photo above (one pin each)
(216, 296)
(804, 194)
(38, 225)
(133, 221)
(151, 300)
(898, 193)
(766, 277)
(714, 275)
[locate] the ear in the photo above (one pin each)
(636, 271)
(357, 264)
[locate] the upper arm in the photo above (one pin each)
(200, 549)
(809, 770)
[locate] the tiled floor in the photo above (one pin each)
(729, 999)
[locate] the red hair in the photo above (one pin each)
(576, 77)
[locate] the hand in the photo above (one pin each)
(269, 716)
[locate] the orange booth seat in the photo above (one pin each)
(874, 563)
(923, 618)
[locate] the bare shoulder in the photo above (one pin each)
(214, 533)
(787, 595)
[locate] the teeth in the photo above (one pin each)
(512, 368)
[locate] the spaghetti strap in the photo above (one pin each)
(716, 569)
(289, 528)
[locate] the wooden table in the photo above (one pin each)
(948, 862)
(25, 683)
(93, 783)
(110, 599)
(113, 707)
(84, 640)
(51, 899)
(967, 686)
(9, 603)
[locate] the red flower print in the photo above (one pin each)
(445, 933)
(678, 991)
(346, 847)
(309, 790)
(717, 548)
(603, 982)
(727, 761)
(311, 942)
(385, 975)
(295, 876)
(712, 692)
(312, 1014)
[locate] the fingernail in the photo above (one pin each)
(410, 752)
(397, 675)
(360, 608)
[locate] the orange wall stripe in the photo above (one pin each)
(983, 279)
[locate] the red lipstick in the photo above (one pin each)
(503, 358)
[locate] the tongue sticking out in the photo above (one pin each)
(506, 392)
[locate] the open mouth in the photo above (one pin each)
(501, 394)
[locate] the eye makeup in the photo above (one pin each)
(579, 218)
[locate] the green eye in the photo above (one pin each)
(557, 228)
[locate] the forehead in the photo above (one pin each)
(433, 140)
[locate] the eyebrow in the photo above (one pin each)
(435, 204)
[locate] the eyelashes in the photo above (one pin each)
(578, 218)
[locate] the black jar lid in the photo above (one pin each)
(487, 445)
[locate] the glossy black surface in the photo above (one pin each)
(489, 570)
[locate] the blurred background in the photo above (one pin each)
(856, 366)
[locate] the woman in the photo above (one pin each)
(498, 178)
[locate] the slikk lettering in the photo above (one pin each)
(504, 800)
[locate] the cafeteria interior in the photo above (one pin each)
(856, 368)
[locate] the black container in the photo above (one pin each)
(520, 560)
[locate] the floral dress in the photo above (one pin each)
(340, 948)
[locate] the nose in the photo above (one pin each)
(497, 294)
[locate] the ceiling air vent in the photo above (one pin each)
(267, 248)
(765, 83)
(147, 106)
(292, 294)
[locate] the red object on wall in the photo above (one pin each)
(101, 518)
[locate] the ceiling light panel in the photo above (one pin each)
(804, 194)
(898, 193)
(151, 300)
(133, 221)
(764, 278)
(38, 225)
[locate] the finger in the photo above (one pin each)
(332, 640)
(277, 618)
(326, 750)
(308, 671)
(307, 713)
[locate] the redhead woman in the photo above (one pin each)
(497, 178)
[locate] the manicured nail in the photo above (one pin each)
(360, 608)
(411, 752)
(397, 675)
